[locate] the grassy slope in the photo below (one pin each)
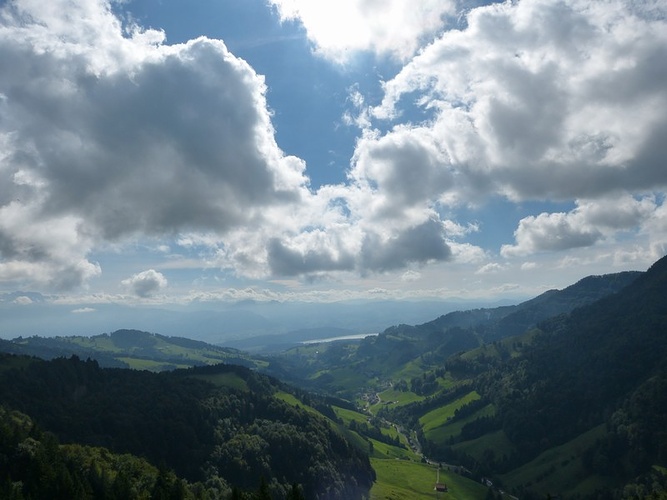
(151, 352)
(440, 416)
(496, 441)
(401, 475)
(402, 479)
(149, 364)
(452, 429)
(348, 416)
(558, 469)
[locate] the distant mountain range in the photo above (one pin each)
(27, 314)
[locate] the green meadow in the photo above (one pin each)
(404, 479)
(440, 416)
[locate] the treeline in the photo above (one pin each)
(374, 431)
(35, 466)
(230, 434)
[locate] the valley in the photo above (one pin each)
(562, 395)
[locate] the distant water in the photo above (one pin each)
(357, 336)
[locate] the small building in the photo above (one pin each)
(440, 487)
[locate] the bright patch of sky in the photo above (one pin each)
(162, 151)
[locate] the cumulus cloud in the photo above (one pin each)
(367, 250)
(551, 232)
(490, 268)
(410, 276)
(292, 261)
(107, 133)
(390, 27)
(37, 248)
(146, 283)
(180, 139)
(420, 244)
(404, 170)
(591, 221)
(539, 99)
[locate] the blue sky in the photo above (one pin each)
(164, 152)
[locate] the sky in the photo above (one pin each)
(175, 152)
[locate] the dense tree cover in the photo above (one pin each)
(605, 363)
(373, 430)
(230, 433)
(585, 363)
(34, 465)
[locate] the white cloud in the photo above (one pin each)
(146, 283)
(23, 300)
(490, 268)
(550, 232)
(154, 146)
(37, 248)
(107, 135)
(411, 275)
(404, 170)
(83, 310)
(111, 135)
(540, 99)
(389, 27)
(421, 244)
(590, 222)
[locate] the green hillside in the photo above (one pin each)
(132, 349)
(403, 479)
(575, 407)
(519, 394)
(222, 424)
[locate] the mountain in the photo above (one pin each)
(575, 407)
(430, 344)
(605, 363)
(496, 323)
(562, 395)
(131, 349)
(223, 426)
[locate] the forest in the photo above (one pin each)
(219, 431)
